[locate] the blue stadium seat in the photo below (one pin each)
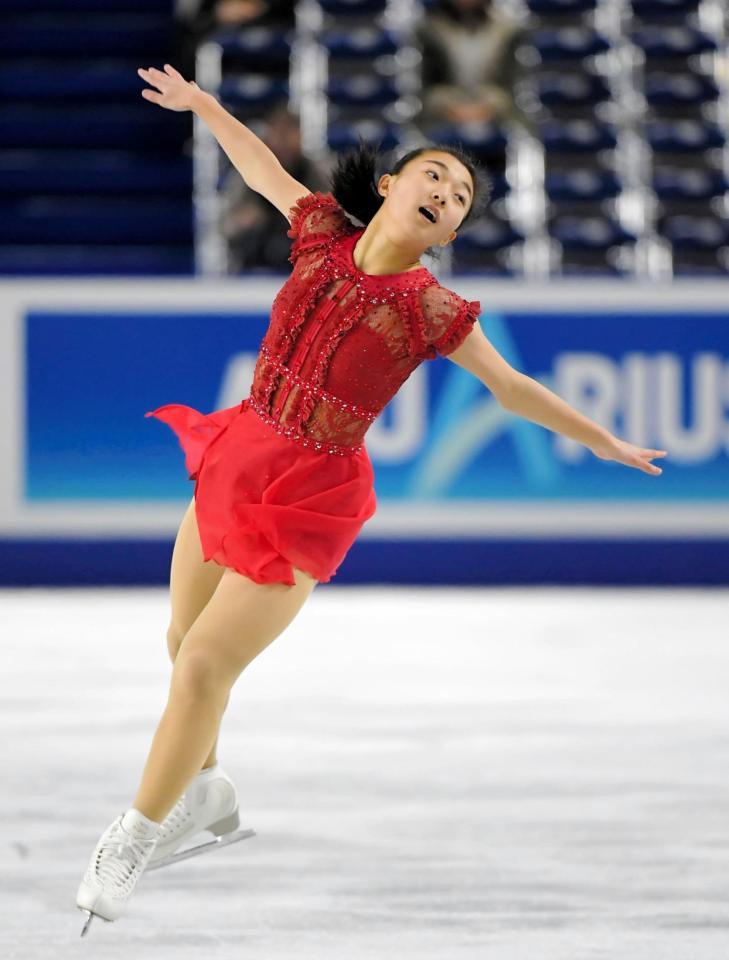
(683, 136)
(89, 6)
(82, 36)
(259, 46)
(589, 184)
(577, 136)
(555, 7)
(32, 79)
(672, 41)
(595, 232)
(682, 183)
(659, 9)
(685, 230)
(77, 172)
(488, 234)
(556, 88)
(345, 136)
(359, 43)
(52, 220)
(359, 8)
(96, 260)
(139, 125)
(568, 43)
(362, 90)
(671, 89)
(94, 180)
(481, 138)
(483, 248)
(252, 91)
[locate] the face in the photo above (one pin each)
(434, 179)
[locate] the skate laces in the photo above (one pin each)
(119, 857)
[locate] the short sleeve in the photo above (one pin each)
(447, 320)
(316, 219)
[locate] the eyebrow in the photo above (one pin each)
(461, 183)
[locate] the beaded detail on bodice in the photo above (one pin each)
(340, 342)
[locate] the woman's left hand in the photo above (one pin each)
(629, 454)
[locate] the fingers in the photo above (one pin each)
(156, 78)
(146, 75)
(153, 75)
(647, 455)
(649, 468)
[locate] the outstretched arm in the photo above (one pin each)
(528, 398)
(256, 163)
(534, 401)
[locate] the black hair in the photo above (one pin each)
(354, 181)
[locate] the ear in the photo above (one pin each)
(383, 184)
(450, 239)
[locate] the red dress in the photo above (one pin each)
(283, 479)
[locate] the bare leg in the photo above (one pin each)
(192, 583)
(238, 622)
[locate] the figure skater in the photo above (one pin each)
(283, 481)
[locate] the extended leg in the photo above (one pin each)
(238, 622)
(193, 581)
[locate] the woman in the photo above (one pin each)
(283, 481)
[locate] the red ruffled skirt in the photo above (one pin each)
(265, 503)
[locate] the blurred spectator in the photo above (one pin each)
(196, 19)
(469, 65)
(254, 228)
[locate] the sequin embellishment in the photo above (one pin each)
(389, 323)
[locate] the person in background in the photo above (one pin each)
(469, 63)
(251, 224)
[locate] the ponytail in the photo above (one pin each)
(354, 182)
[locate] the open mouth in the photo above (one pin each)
(428, 214)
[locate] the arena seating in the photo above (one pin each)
(620, 171)
(628, 109)
(92, 179)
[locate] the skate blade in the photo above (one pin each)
(208, 847)
(89, 917)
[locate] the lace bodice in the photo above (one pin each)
(340, 343)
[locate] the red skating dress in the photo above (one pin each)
(284, 479)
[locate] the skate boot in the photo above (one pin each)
(117, 863)
(209, 803)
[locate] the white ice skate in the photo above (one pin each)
(117, 863)
(210, 803)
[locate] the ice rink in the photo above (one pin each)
(460, 774)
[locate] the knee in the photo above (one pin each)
(174, 641)
(198, 676)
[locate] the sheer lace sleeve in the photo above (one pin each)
(315, 219)
(447, 320)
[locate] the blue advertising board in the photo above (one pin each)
(467, 492)
(661, 380)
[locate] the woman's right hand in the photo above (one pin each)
(175, 93)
